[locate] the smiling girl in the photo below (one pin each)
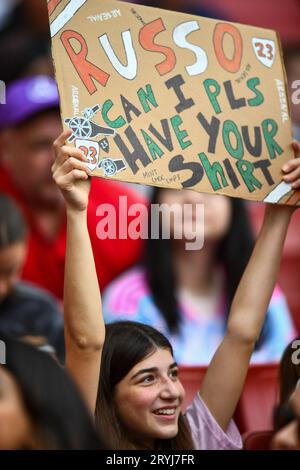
(138, 401)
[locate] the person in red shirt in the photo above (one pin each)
(29, 123)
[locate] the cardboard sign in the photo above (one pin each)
(173, 100)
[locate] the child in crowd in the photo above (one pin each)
(289, 370)
(40, 407)
(186, 294)
(287, 423)
(25, 310)
(140, 394)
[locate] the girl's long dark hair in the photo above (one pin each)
(233, 254)
(55, 407)
(126, 344)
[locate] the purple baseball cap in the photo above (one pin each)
(26, 97)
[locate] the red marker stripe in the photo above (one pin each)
(52, 4)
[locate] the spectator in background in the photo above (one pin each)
(187, 294)
(289, 370)
(30, 56)
(40, 407)
(25, 311)
(25, 45)
(7, 9)
(287, 424)
(29, 123)
(22, 15)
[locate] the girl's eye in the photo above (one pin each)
(147, 379)
(174, 373)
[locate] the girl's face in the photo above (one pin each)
(15, 426)
(149, 398)
(217, 213)
(288, 437)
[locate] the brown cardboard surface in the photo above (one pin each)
(173, 100)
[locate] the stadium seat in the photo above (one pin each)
(254, 411)
(260, 395)
(259, 440)
(191, 378)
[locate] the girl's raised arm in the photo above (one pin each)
(225, 377)
(83, 322)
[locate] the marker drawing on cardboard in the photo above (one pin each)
(173, 100)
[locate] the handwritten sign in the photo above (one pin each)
(173, 100)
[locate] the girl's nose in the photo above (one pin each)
(170, 389)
